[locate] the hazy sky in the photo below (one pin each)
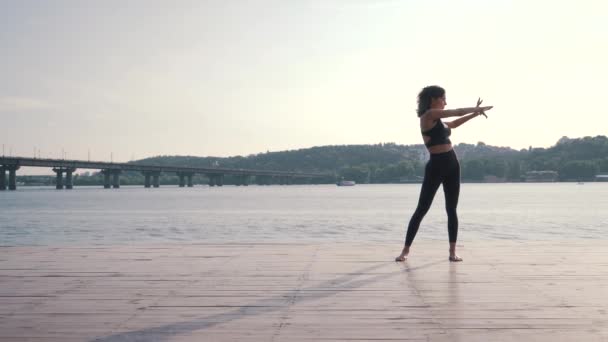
(228, 77)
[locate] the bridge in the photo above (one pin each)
(112, 171)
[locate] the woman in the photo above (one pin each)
(443, 167)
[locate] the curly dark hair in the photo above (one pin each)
(426, 95)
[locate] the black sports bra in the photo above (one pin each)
(439, 135)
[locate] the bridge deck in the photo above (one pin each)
(289, 292)
(82, 164)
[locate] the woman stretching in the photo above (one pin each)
(443, 167)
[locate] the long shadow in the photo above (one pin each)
(323, 290)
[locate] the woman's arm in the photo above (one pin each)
(436, 114)
(460, 121)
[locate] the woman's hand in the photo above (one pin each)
(482, 109)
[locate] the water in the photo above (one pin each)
(130, 215)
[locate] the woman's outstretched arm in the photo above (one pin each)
(460, 121)
(437, 114)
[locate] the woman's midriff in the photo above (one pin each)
(440, 148)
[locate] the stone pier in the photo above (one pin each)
(216, 179)
(151, 179)
(285, 180)
(190, 183)
(156, 179)
(241, 180)
(185, 177)
(59, 178)
(111, 178)
(69, 183)
(2, 178)
(12, 176)
(116, 179)
(182, 179)
(106, 178)
(263, 180)
(147, 182)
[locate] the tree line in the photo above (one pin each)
(573, 160)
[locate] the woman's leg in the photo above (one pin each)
(451, 189)
(432, 180)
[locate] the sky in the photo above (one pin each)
(123, 80)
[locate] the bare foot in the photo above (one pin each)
(455, 258)
(403, 255)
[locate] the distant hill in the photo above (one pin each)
(315, 159)
(573, 159)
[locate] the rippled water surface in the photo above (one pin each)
(93, 216)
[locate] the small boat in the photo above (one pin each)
(345, 183)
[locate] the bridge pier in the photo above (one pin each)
(156, 179)
(190, 183)
(242, 180)
(259, 180)
(111, 178)
(12, 176)
(106, 178)
(182, 179)
(216, 179)
(69, 182)
(147, 182)
(116, 179)
(2, 178)
(286, 180)
(59, 178)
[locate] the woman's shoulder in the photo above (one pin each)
(431, 115)
(428, 118)
(428, 122)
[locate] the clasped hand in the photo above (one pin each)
(482, 110)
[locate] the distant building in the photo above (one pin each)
(601, 178)
(541, 176)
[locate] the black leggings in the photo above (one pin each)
(442, 168)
